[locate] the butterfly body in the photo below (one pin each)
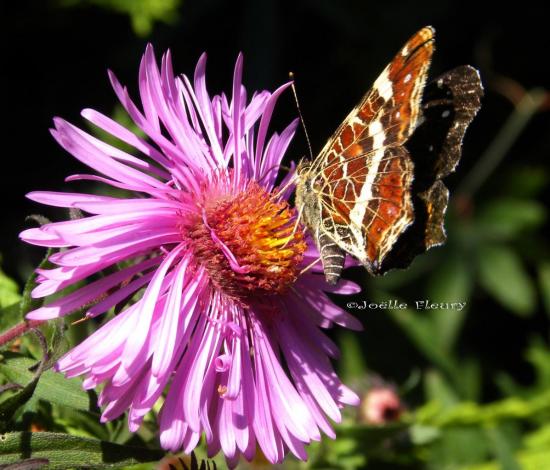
(307, 197)
(360, 195)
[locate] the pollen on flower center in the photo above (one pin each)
(246, 243)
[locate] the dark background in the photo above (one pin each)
(54, 64)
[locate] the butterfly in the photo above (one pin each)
(375, 190)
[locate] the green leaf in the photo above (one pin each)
(65, 451)
(143, 13)
(538, 439)
(503, 449)
(538, 356)
(439, 390)
(58, 344)
(84, 424)
(534, 460)
(10, 316)
(356, 441)
(544, 282)
(450, 283)
(9, 290)
(524, 181)
(27, 302)
(473, 414)
(10, 405)
(422, 435)
(458, 446)
(420, 330)
(52, 386)
(352, 363)
(469, 379)
(507, 218)
(503, 276)
(528, 460)
(24, 394)
(396, 279)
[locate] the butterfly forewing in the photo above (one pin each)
(362, 177)
(389, 111)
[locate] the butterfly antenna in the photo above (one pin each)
(274, 167)
(291, 76)
(295, 228)
(309, 266)
(289, 183)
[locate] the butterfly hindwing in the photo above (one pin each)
(450, 104)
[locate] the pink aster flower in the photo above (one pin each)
(220, 318)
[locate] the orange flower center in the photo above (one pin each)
(247, 243)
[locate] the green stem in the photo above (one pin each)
(502, 143)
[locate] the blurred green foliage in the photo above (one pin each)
(9, 290)
(142, 13)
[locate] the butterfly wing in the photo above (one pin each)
(362, 177)
(450, 104)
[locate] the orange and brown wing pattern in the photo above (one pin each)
(363, 175)
(389, 110)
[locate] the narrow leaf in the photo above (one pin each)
(27, 302)
(65, 451)
(451, 285)
(352, 362)
(439, 390)
(502, 449)
(544, 281)
(9, 406)
(503, 276)
(52, 387)
(507, 218)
